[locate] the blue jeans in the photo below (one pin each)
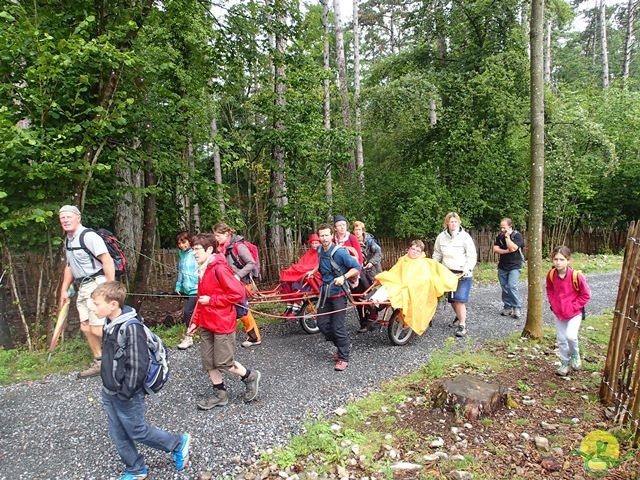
(509, 284)
(125, 419)
(333, 325)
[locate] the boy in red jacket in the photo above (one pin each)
(215, 314)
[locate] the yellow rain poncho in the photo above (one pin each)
(414, 285)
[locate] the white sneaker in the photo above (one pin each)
(575, 361)
(249, 343)
(185, 343)
(563, 369)
(506, 312)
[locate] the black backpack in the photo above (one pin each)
(113, 247)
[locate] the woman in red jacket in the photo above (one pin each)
(293, 278)
(218, 293)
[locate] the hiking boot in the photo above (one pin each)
(575, 361)
(92, 371)
(139, 475)
(252, 382)
(461, 331)
(186, 342)
(250, 343)
(506, 312)
(563, 369)
(517, 313)
(218, 399)
(454, 322)
(341, 365)
(181, 454)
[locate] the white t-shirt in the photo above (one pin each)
(82, 264)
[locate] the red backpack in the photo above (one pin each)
(253, 250)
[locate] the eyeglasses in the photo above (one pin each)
(415, 249)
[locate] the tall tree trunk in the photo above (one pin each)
(142, 277)
(628, 40)
(184, 196)
(433, 117)
(524, 21)
(326, 111)
(547, 52)
(127, 221)
(533, 326)
(217, 167)
(603, 42)
(342, 77)
(279, 235)
(356, 93)
(193, 206)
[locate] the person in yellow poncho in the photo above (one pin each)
(414, 284)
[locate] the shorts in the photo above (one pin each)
(462, 293)
(84, 303)
(217, 350)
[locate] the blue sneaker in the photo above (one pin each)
(140, 475)
(181, 455)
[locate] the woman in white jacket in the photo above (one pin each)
(454, 248)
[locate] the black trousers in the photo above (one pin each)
(333, 325)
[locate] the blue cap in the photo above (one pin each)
(339, 218)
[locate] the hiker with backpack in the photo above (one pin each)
(219, 291)
(187, 282)
(124, 369)
(568, 293)
(372, 265)
(337, 268)
(88, 265)
(509, 244)
(242, 257)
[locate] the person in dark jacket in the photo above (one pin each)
(509, 244)
(123, 373)
(336, 266)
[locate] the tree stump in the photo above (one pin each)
(469, 396)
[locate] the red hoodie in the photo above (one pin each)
(565, 301)
(224, 290)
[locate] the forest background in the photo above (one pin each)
(272, 115)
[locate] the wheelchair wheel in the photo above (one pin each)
(308, 320)
(398, 332)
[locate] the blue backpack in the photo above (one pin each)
(158, 372)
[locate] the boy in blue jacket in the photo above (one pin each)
(123, 386)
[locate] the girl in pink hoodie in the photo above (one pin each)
(568, 293)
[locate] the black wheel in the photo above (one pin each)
(399, 334)
(308, 320)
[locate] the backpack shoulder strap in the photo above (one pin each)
(575, 280)
(122, 331)
(551, 273)
(334, 265)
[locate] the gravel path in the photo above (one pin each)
(56, 428)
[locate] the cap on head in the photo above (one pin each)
(70, 209)
(339, 218)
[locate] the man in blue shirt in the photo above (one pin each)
(336, 267)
